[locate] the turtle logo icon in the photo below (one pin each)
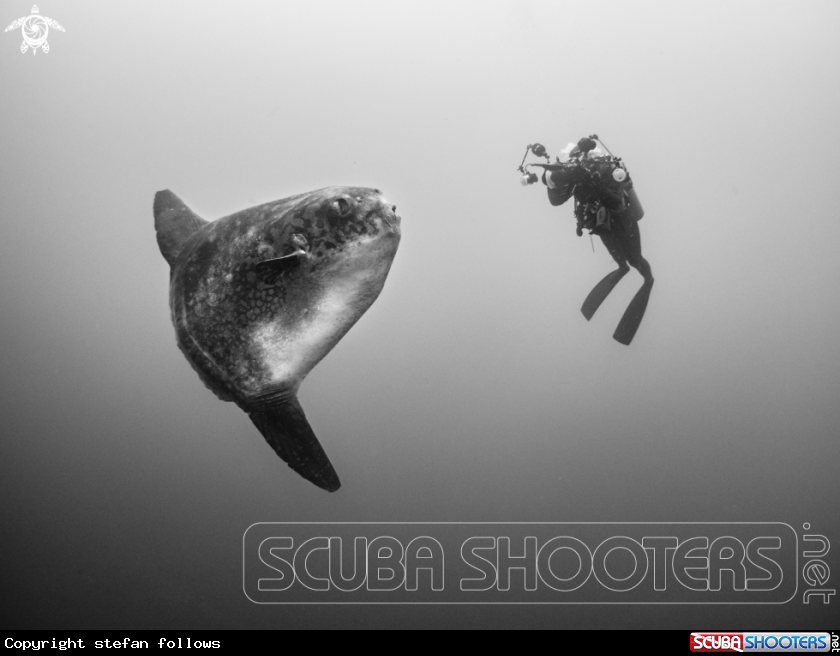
(34, 29)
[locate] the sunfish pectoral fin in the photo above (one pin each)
(288, 432)
(269, 271)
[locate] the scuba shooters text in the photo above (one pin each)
(575, 562)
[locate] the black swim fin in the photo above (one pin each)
(601, 291)
(633, 315)
(287, 430)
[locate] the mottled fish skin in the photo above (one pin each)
(253, 338)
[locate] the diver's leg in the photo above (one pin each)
(613, 244)
(635, 312)
(633, 252)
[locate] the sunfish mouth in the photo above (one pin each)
(390, 216)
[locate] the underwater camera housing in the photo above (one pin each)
(578, 158)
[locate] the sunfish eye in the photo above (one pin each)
(341, 207)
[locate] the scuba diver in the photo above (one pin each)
(607, 205)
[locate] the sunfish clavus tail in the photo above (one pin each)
(259, 297)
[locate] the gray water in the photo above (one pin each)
(473, 389)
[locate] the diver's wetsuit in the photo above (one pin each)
(590, 181)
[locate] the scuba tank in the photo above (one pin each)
(613, 167)
(635, 207)
(620, 175)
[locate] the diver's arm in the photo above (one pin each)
(560, 185)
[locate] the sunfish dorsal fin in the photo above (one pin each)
(175, 223)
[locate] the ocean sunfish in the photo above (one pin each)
(259, 297)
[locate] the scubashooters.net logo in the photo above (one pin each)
(762, 642)
(34, 29)
(567, 563)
